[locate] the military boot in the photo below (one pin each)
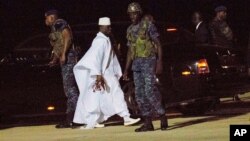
(164, 122)
(147, 126)
(68, 123)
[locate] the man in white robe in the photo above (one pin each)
(97, 75)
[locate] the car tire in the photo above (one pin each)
(193, 110)
(199, 108)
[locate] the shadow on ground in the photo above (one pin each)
(205, 119)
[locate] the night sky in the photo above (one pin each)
(21, 19)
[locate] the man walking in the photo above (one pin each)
(142, 38)
(97, 75)
(61, 40)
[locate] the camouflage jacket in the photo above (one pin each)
(140, 39)
(56, 37)
(221, 33)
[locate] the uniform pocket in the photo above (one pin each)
(136, 66)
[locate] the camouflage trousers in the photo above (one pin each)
(69, 83)
(147, 94)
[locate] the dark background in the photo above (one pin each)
(21, 19)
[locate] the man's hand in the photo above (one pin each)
(63, 59)
(125, 76)
(128, 63)
(53, 62)
(99, 84)
(159, 67)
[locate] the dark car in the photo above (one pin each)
(28, 86)
(195, 76)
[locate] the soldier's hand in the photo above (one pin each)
(53, 62)
(159, 67)
(63, 59)
(125, 76)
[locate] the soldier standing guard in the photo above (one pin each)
(220, 31)
(61, 40)
(142, 38)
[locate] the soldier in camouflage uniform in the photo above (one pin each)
(144, 44)
(220, 31)
(63, 51)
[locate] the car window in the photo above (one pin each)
(34, 43)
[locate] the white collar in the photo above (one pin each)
(102, 35)
(197, 26)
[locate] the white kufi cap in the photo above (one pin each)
(104, 21)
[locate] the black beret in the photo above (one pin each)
(220, 8)
(51, 12)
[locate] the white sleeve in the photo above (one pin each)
(93, 58)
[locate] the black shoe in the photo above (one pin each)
(164, 122)
(64, 125)
(68, 123)
(76, 125)
(147, 126)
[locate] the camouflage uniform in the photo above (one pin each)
(140, 38)
(69, 84)
(221, 33)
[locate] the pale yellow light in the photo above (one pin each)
(171, 29)
(50, 108)
(186, 73)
